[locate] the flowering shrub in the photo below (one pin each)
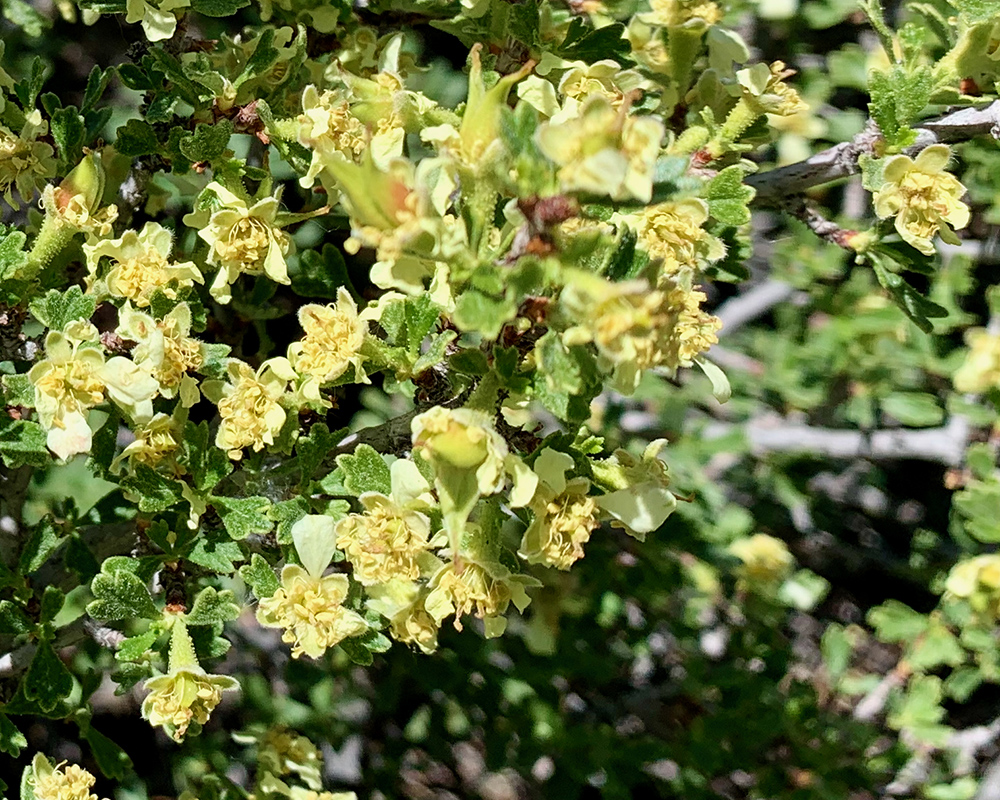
(322, 356)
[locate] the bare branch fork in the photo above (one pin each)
(840, 161)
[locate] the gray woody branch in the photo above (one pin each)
(840, 161)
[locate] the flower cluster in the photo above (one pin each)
(923, 197)
(70, 782)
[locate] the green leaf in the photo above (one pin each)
(976, 10)
(129, 674)
(585, 43)
(56, 309)
(28, 89)
(13, 620)
(917, 307)
(729, 198)
(365, 471)
(22, 442)
(287, 513)
(320, 275)
(937, 646)
(135, 648)
(47, 680)
(211, 607)
(52, 603)
(360, 648)
(12, 255)
(97, 84)
(215, 553)
(69, 134)
(11, 739)
(916, 409)
(207, 463)
(208, 142)
(39, 547)
(895, 622)
(435, 352)
(476, 311)
(120, 593)
(104, 446)
(155, 492)
(136, 138)
(897, 99)
(112, 760)
(260, 577)
(18, 390)
(836, 649)
(218, 8)
(242, 516)
(978, 503)
(624, 264)
(421, 315)
(24, 16)
(312, 450)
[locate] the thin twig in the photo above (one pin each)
(840, 161)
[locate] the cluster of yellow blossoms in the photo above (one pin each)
(70, 782)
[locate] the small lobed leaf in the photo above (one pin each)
(208, 142)
(155, 492)
(212, 607)
(242, 516)
(45, 538)
(120, 593)
(216, 553)
(365, 471)
(22, 443)
(13, 620)
(260, 577)
(136, 138)
(11, 739)
(55, 309)
(47, 680)
(729, 198)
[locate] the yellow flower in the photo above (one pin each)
(604, 151)
(157, 16)
(67, 385)
(384, 542)
(764, 90)
(673, 231)
(696, 15)
(765, 558)
(328, 128)
(981, 369)
(467, 587)
(183, 697)
(333, 338)
(564, 515)
(281, 751)
(924, 198)
(165, 349)
(464, 439)
(978, 581)
(155, 442)
(402, 603)
(25, 162)
(249, 405)
(242, 239)
(310, 609)
(639, 500)
(139, 265)
(636, 328)
(75, 204)
(71, 782)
